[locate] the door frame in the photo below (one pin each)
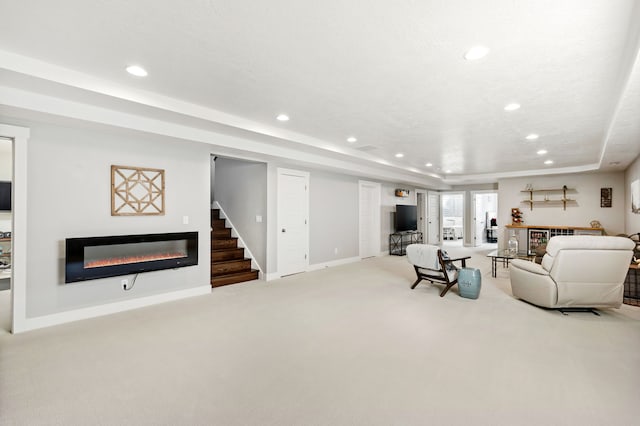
(464, 214)
(19, 137)
(473, 195)
(377, 219)
(423, 194)
(280, 172)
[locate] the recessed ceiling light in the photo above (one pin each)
(548, 162)
(476, 52)
(399, 155)
(428, 164)
(136, 70)
(512, 107)
(542, 152)
(532, 137)
(282, 117)
(351, 139)
(447, 171)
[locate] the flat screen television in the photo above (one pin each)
(406, 218)
(5, 196)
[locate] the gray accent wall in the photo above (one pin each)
(333, 217)
(69, 195)
(241, 190)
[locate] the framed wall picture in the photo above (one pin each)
(606, 195)
(137, 191)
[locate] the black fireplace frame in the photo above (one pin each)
(74, 258)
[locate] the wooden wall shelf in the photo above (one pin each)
(562, 201)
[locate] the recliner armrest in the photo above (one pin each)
(529, 266)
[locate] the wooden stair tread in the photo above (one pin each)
(219, 262)
(234, 278)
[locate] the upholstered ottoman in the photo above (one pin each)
(469, 282)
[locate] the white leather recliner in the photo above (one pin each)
(576, 272)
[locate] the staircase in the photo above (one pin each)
(228, 264)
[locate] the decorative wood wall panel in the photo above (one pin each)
(137, 191)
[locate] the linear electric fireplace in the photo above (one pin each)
(102, 257)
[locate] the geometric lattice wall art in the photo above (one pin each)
(136, 191)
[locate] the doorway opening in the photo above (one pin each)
(452, 219)
(485, 213)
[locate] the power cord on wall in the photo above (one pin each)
(126, 287)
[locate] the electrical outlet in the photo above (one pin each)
(185, 220)
(335, 250)
(259, 219)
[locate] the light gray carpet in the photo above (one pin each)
(350, 345)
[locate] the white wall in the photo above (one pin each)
(586, 209)
(241, 190)
(69, 196)
(632, 220)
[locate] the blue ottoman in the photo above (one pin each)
(469, 282)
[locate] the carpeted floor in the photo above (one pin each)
(350, 345)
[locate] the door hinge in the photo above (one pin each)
(305, 256)
(305, 221)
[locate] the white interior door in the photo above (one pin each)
(369, 218)
(433, 218)
(293, 221)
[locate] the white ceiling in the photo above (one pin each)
(391, 74)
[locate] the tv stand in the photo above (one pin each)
(398, 241)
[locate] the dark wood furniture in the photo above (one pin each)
(441, 276)
(632, 286)
(398, 241)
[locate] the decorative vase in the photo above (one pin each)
(512, 245)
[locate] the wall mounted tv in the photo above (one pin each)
(406, 218)
(5, 196)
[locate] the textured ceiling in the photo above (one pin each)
(391, 74)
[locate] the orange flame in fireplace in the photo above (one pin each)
(132, 259)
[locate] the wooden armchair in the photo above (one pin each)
(433, 265)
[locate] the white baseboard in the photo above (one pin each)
(338, 262)
(316, 267)
(272, 276)
(110, 308)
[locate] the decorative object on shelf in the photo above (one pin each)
(402, 192)
(635, 196)
(516, 216)
(595, 224)
(136, 191)
(605, 197)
